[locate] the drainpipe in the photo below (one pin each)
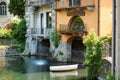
(98, 18)
(114, 37)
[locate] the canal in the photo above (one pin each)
(33, 68)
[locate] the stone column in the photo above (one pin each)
(117, 42)
(29, 16)
(52, 48)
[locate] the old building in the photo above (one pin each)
(5, 16)
(40, 21)
(91, 14)
(72, 19)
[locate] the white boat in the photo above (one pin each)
(64, 67)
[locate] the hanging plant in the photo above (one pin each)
(55, 37)
(78, 21)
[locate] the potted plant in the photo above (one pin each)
(93, 55)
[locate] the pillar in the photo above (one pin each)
(117, 39)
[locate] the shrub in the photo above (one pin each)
(93, 55)
(19, 33)
(5, 33)
(55, 37)
(13, 24)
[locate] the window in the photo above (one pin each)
(42, 21)
(74, 3)
(3, 9)
(49, 19)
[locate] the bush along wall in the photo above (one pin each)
(93, 55)
(19, 33)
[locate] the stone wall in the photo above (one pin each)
(8, 51)
(63, 52)
(3, 50)
(5, 41)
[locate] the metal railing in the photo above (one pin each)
(38, 31)
(63, 27)
(39, 2)
(33, 31)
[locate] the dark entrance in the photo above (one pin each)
(78, 50)
(43, 47)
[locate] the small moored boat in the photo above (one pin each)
(64, 67)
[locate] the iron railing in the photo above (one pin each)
(40, 2)
(38, 32)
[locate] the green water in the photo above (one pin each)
(18, 68)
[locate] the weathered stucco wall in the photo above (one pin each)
(105, 17)
(90, 19)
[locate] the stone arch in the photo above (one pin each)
(76, 41)
(69, 40)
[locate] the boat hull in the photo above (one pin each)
(64, 67)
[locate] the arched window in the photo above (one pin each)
(3, 9)
(77, 24)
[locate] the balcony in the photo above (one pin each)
(65, 30)
(67, 4)
(38, 32)
(40, 2)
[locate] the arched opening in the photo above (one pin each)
(3, 8)
(77, 50)
(76, 24)
(43, 47)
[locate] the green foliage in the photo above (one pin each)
(16, 7)
(93, 55)
(107, 38)
(15, 22)
(5, 33)
(55, 37)
(109, 76)
(19, 33)
(61, 53)
(78, 21)
(10, 25)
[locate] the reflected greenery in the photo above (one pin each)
(24, 68)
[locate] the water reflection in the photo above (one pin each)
(25, 68)
(60, 74)
(36, 65)
(2, 62)
(16, 64)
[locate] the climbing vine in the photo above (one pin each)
(55, 38)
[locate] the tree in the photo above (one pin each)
(17, 7)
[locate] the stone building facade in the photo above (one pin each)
(93, 14)
(40, 17)
(5, 16)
